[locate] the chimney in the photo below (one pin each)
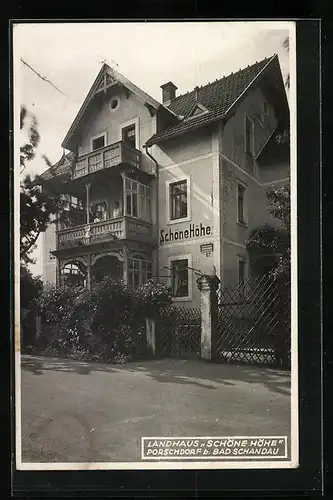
(168, 92)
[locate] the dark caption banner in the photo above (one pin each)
(199, 448)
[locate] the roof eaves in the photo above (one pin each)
(265, 144)
(61, 167)
(242, 95)
(134, 88)
(190, 128)
(82, 108)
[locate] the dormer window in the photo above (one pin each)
(197, 110)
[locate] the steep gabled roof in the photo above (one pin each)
(218, 97)
(107, 77)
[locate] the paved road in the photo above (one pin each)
(83, 412)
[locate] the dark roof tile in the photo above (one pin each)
(217, 97)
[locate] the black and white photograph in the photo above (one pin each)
(155, 245)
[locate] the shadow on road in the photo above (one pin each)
(168, 370)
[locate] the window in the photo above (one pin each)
(249, 135)
(137, 199)
(131, 196)
(197, 111)
(72, 275)
(128, 136)
(240, 203)
(180, 278)
(139, 272)
(249, 143)
(68, 202)
(98, 142)
(178, 200)
(71, 211)
(114, 103)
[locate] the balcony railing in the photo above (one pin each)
(107, 157)
(121, 228)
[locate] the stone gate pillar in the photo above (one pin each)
(208, 285)
(150, 335)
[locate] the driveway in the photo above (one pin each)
(88, 412)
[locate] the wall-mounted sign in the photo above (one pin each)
(193, 231)
(206, 248)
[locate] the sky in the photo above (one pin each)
(69, 55)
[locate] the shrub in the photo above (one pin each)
(30, 287)
(105, 323)
(56, 304)
(153, 297)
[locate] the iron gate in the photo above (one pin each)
(253, 322)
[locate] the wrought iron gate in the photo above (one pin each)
(253, 325)
(253, 322)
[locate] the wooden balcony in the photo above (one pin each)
(121, 228)
(107, 157)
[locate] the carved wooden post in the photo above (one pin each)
(89, 272)
(60, 275)
(58, 270)
(88, 203)
(125, 265)
(208, 287)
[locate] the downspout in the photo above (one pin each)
(157, 210)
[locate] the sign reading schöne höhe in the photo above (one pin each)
(193, 231)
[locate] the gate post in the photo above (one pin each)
(150, 334)
(282, 331)
(208, 287)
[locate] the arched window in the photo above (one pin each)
(73, 275)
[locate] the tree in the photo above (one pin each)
(28, 150)
(285, 45)
(30, 287)
(279, 201)
(274, 242)
(36, 206)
